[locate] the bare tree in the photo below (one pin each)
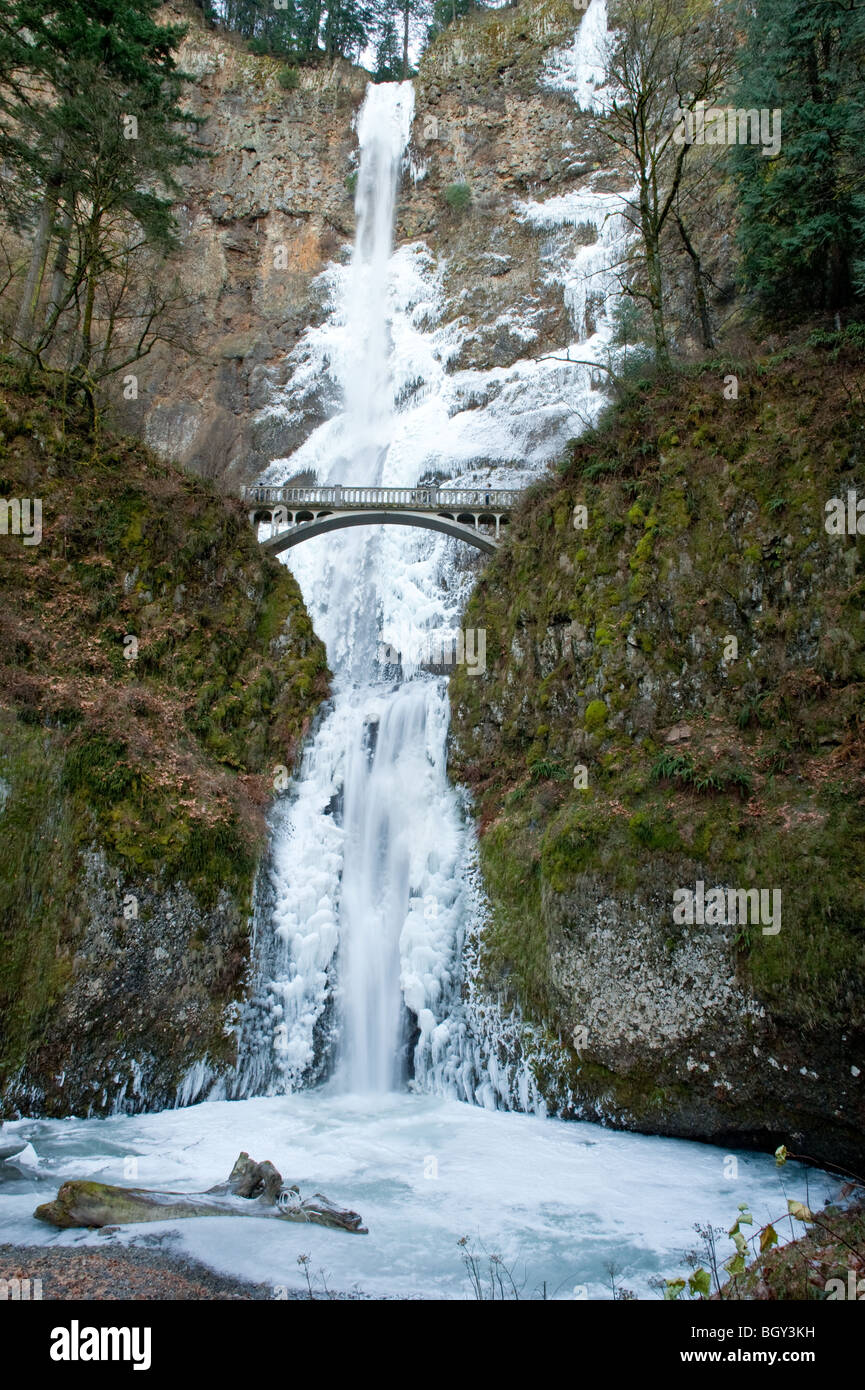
(663, 57)
(108, 295)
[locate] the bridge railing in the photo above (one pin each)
(417, 498)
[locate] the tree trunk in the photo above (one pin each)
(405, 18)
(652, 248)
(57, 292)
(252, 1189)
(35, 275)
(39, 255)
(699, 287)
(87, 324)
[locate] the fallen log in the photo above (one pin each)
(252, 1189)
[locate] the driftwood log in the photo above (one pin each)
(252, 1189)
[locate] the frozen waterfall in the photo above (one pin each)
(367, 922)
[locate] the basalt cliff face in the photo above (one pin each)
(155, 668)
(497, 136)
(673, 696)
(264, 210)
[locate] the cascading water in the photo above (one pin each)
(371, 893)
(356, 931)
(383, 130)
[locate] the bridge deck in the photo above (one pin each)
(413, 499)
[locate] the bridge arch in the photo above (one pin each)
(324, 522)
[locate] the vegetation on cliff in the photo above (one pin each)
(674, 693)
(826, 1263)
(155, 667)
(486, 51)
(789, 147)
(92, 138)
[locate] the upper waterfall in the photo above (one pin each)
(383, 129)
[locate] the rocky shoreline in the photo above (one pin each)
(152, 1271)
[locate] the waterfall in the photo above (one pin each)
(383, 129)
(580, 69)
(369, 912)
(357, 920)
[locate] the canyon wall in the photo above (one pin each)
(496, 130)
(155, 669)
(673, 697)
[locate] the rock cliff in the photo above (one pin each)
(496, 130)
(155, 668)
(673, 697)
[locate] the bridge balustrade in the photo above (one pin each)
(436, 499)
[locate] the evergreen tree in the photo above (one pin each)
(347, 27)
(445, 12)
(91, 137)
(279, 27)
(306, 29)
(398, 22)
(802, 214)
(388, 54)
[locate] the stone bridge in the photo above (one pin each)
(297, 514)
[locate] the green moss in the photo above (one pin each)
(595, 716)
(766, 789)
(515, 954)
(652, 833)
(40, 902)
(162, 762)
(568, 848)
(98, 768)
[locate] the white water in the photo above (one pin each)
(359, 958)
(580, 69)
(371, 896)
(558, 1201)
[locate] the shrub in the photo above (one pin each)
(288, 79)
(543, 770)
(458, 196)
(97, 767)
(596, 715)
(677, 767)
